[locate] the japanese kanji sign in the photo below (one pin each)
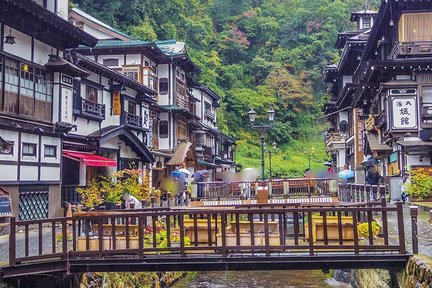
(403, 112)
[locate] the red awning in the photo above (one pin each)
(90, 159)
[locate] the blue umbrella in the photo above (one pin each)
(176, 173)
(199, 173)
(346, 174)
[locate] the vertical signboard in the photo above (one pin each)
(66, 99)
(116, 102)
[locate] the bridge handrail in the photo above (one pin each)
(217, 221)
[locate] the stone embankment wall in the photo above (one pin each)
(417, 274)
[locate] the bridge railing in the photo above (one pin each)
(266, 228)
(278, 188)
(352, 192)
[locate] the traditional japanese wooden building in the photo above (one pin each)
(344, 139)
(32, 91)
(165, 68)
(393, 80)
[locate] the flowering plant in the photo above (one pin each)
(363, 229)
(420, 183)
(59, 236)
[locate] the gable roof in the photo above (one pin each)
(97, 24)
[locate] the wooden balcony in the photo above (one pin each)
(209, 115)
(411, 50)
(182, 101)
(131, 120)
(90, 110)
(336, 140)
(210, 151)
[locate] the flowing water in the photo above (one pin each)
(260, 279)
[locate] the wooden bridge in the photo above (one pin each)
(238, 237)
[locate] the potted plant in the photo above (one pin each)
(419, 184)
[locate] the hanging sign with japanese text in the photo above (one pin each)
(116, 102)
(403, 112)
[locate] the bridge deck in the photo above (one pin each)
(251, 237)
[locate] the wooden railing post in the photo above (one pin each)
(414, 233)
(401, 231)
(12, 243)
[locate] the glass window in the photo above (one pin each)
(91, 94)
(43, 95)
(366, 23)
(28, 149)
(11, 86)
(131, 108)
(163, 86)
(163, 129)
(110, 62)
(50, 151)
(26, 103)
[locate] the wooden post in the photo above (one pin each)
(12, 239)
(401, 230)
(414, 235)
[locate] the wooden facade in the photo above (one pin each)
(392, 80)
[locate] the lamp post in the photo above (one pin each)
(262, 128)
(309, 154)
(270, 152)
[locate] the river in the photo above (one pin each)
(260, 279)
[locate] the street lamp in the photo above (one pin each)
(262, 128)
(270, 152)
(310, 153)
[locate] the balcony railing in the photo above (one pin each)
(182, 101)
(91, 110)
(208, 114)
(336, 137)
(411, 49)
(132, 120)
(210, 151)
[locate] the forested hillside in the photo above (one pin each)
(254, 53)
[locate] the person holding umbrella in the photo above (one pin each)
(199, 177)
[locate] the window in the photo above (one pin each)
(163, 86)
(91, 94)
(163, 129)
(11, 86)
(131, 108)
(26, 103)
(43, 95)
(343, 126)
(110, 62)
(426, 100)
(50, 151)
(132, 72)
(27, 90)
(29, 149)
(413, 27)
(367, 23)
(182, 131)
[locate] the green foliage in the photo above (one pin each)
(420, 183)
(254, 53)
(363, 229)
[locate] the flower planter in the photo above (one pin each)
(416, 199)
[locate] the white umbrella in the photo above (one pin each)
(185, 171)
